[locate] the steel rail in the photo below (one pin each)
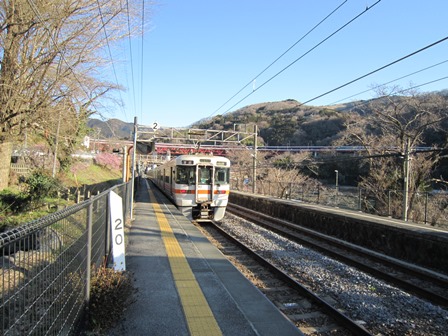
(338, 316)
(424, 275)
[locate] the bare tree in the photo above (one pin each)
(284, 171)
(242, 166)
(53, 52)
(391, 129)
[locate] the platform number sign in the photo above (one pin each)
(117, 231)
(155, 125)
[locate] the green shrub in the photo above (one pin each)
(40, 185)
(13, 202)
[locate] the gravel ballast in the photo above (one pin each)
(383, 309)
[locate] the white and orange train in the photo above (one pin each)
(197, 184)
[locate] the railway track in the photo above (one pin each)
(426, 284)
(311, 313)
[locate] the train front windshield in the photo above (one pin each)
(186, 175)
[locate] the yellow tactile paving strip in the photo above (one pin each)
(198, 314)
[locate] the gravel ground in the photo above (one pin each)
(384, 309)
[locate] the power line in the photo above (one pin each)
(130, 52)
(394, 80)
(306, 53)
(361, 103)
(142, 58)
(110, 56)
(279, 57)
(379, 69)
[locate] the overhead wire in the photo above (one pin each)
(283, 54)
(306, 53)
(142, 58)
(111, 57)
(130, 53)
(361, 103)
(376, 70)
(391, 81)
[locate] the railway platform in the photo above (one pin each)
(185, 286)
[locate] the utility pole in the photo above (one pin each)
(254, 178)
(124, 172)
(406, 174)
(133, 167)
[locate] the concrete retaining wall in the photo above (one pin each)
(398, 240)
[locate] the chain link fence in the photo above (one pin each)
(428, 207)
(45, 266)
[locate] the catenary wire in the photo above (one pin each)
(130, 53)
(306, 53)
(376, 70)
(279, 57)
(111, 58)
(142, 58)
(362, 103)
(387, 83)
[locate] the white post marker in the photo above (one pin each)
(117, 230)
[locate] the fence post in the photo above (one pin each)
(89, 250)
(107, 229)
(426, 207)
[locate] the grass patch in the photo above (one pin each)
(83, 173)
(17, 209)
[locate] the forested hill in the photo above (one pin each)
(279, 123)
(112, 128)
(287, 122)
(292, 123)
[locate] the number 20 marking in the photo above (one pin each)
(118, 237)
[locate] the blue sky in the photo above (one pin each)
(198, 54)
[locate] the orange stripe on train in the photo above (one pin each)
(200, 192)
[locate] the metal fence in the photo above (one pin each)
(21, 168)
(428, 208)
(45, 266)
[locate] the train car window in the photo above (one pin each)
(222, 175)
(185, 175)
(204, 175)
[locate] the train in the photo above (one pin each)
(199, 185)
